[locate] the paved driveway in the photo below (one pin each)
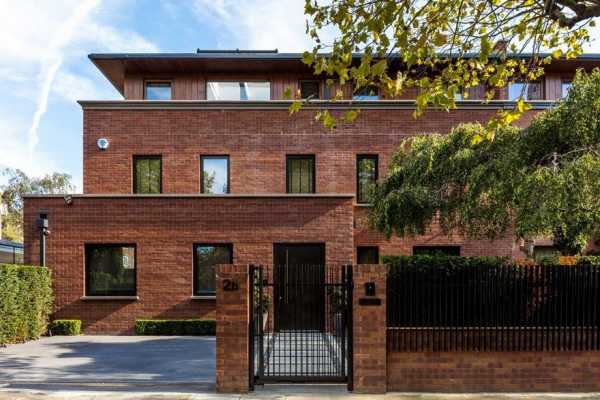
(110, 360)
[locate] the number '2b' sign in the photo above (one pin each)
(230, 285)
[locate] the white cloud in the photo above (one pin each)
(261, 24)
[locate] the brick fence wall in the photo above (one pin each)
(494, 372)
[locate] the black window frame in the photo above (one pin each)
(367, 248)
(215, 157)
(288, 184)
(163, 82)
(360, 157)
(89, 246)
(146, 157)
(312, 81)
(443, 248)
(195, 266)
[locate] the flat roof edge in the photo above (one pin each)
(284, 104)
(192, 196)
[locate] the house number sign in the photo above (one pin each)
(229, 285)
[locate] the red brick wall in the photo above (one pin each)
(257, 142)
(494, 372)
(233, 318)
(165, 229)
(369, 330)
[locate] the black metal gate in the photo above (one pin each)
(301, 324)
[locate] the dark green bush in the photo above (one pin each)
(190, 327)
(25, 302)
(66, 327)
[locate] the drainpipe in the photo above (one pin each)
(42, 223)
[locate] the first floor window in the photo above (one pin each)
(564, 88)
(366, 93)
(238, 91)
(436, 250)
(157, 90)
(366, 177)
(214, 174)
(206, 257)
(110, 270)
(300, 174)
(367, 255)
(147, 174)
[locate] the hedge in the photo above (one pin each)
(192, 327)
(66, 327)
(25, 302)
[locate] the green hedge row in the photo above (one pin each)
(193, 327)
(66, 327)
(25, 302)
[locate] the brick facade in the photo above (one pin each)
(494, 372)
(164, 229)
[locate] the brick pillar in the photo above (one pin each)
(232, 329)
(369, 324)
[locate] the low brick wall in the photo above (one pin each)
(494, 372)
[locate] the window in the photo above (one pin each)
(366, 177)
(157, 91)
(147, 174)
(564, 88)
(529, 91)
(436, 250)
(367, 255)
(309, 89)
(206, 257)
(238, 91)
(366, 93)
(110, 270)
(214, 174)
(300, 174)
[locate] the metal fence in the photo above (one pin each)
(11, 252)
(494, 308)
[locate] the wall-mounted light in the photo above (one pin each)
(68, 199)
(102, 143)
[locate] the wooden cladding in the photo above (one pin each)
(193, 86)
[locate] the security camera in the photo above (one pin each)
(68, 199)
(47, 232)
(102, 143)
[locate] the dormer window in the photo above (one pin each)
(238, 91)
(157, 90)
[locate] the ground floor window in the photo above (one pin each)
(110, 269)
(367, 255)
(436, 250)
(206, 257)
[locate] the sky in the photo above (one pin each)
(44, 67)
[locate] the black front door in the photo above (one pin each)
(299, 277)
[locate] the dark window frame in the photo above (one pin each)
(360, 157)
(215, 157)
(158, 81)
(318, 97)
(88, 275)
(146, 157)
(195, 265)
(441, 248)
(359, 248)
(290, 157)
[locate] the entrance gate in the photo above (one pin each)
(301, 323)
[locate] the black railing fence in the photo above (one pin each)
(493, 306)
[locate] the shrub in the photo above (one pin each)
(25, 302)
(190, 327)
(66, 327)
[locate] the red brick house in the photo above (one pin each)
(202, 164)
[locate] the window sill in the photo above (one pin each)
(106, 298)
(203, 297)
